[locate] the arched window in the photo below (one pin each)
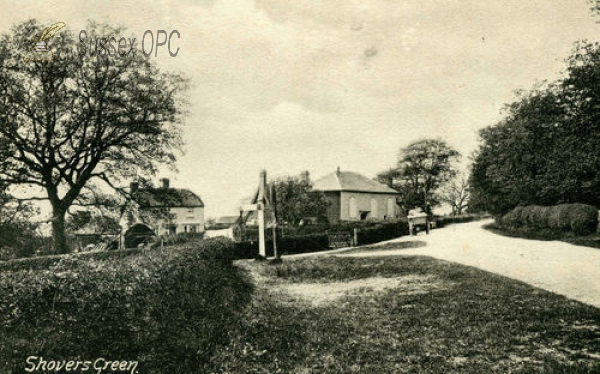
(353, 209)
(374, 209)
(391, 212)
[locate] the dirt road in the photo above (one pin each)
(563, 268)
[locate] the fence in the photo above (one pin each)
(340, 239)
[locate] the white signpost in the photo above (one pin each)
(259, 208)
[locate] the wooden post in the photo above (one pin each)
(355, 237)
(273, 201)
(261, 213)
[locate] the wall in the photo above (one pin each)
(363, 203)
(333, 211)
(182, 217)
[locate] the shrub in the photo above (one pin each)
(463, 218)
(286, 245)
(303, 244)
(579, 219)
(168, 309)
(381, 232)
(583, 219)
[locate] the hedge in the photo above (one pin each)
(579, 219)
(168, 309)
(45, 262)
(463, 218)
(286, 245)
(381, 232)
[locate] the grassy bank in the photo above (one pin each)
(545, 234)
(405, 315)
(167, 309)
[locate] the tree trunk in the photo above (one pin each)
(59, 235)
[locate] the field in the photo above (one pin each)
(405, 315)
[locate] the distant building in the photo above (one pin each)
(354, 197)
(163, 210)
(227, 221)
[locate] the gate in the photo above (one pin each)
(340, 239)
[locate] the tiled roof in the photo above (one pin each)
(349, 181)
(228, 219)
(167, 197)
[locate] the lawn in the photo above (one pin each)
(415, 314)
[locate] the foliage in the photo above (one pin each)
(382, 232)
(580, 219)
(76, 120)
(99, 224)
(295, 200)
(287, 245)
(463, 218)
(169, 310)
(423, 167)
(544, 152)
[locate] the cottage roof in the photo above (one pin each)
(167, 197)
(349, 181)
(228, 219)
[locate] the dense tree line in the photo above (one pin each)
(545, 150)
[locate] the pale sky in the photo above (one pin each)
(312, 85)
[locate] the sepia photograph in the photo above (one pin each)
(300, 187)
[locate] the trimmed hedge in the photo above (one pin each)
(579, 219)
(287, 245)
(381, 232)
(463, 218)
(169, 310)
(45, 262)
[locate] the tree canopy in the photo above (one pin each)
(423, 167)
(77, 121)
(545, 150)
(295, 200)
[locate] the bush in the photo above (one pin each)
(286, 245)
(463, 218)
(381, 232)
(579, 219)
(45, 262)
(302, 244)
(169, 309)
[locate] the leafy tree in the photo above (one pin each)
(544, 151)
(76, 120)
(296, 200)
(423, 167)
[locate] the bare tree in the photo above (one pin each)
(81, 119)
(457, 194)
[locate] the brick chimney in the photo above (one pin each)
(305, 177)
(165, 183)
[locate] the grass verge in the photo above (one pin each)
(433, 317)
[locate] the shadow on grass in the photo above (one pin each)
(484, 323)
(386, 247)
